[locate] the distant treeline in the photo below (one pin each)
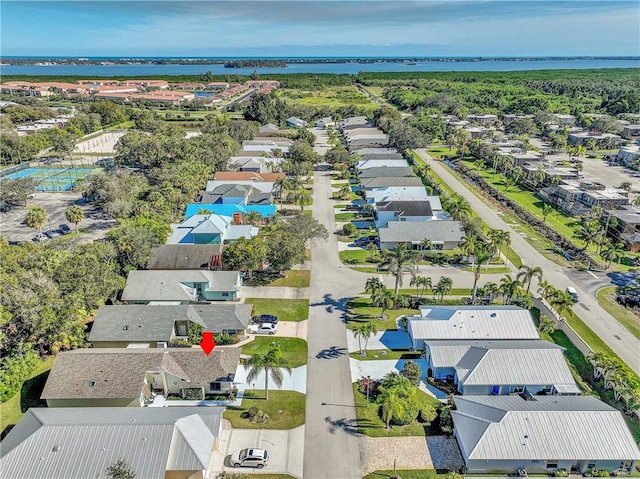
(256, 64)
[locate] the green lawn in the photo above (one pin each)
(376, 354)
(370, 424)
(625, 316)
(586, 333)
(333, 97)
(293, 349)
(453, 292)
(489, 269)
(354, 256)
(361, 310)
(442, 151)
(408, 474)
(12, 410)
(294, 278)
(286, 409)
(285, 309)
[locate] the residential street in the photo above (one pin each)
(601, 322)
(330, 451)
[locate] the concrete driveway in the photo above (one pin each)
(288, 329)
(285, 449)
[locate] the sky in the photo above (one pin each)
(330, 28)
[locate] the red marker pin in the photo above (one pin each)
(207, 344)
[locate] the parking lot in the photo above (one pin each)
(55, 204)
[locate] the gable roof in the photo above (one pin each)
(248, 175)
(253, 185)
(176, 285)
(183, 256)
(379, 171)
(228, 210)
(547, 427)
(156, 322)
(383, 182)
(406, 208)
(364, 164)
(120, 373)
(472, 322)
(150, 440)
(416, 231)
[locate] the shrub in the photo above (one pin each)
(446, 421)
(14, 370)
(349, 229)
(428, 414)
(409, 413)
(412, 372)
(193, 394)
(561, 473)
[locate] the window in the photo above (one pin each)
(216, 386)
(225, 295)
(518, 389)
(552, 464)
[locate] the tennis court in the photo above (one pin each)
(52, 179)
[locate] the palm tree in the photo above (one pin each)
(527, 273)
(546, 325)
(538, 175)
(468, 245)
(588, 232)
(372, 250)
(372, 286)
(636, 200)
(302, 197)
(510, 288)
(75, 215)
(36, 218)
(613, 252)
(490, 289)
(545, 289)
(499, 238)
(254, 218)
(561, 301)
(443, 287)
(396, 262)
(384, 298)
(426, 244)
(421, 282)
(508, 183)
(457, 206)
(546, 211)
(364, 331)
(282, 185)
(272, 363)
(481, 255)
(390, 406)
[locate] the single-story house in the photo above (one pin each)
(253, 176)
(353, 122)
(77, 443)
(267, 145)
(210, 229)
(257, 164)
(399, 210)
(385, 182)
(181, 286)
(236, 194)
(601, 139)
(444, 234)
(630, 131)
(357, 144)
(628, 155)
(255, 185)
(237, 212)
(379, 155)
(365, 164)
(479, 367)
(402, 193)
(385, 171)
(377, 151)
(541, 435)
(294, 122)
(133, 377)
(325, 122)
(151, 326)
(186, 256)
(458, 323)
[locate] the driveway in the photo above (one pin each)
(280, 292)
(379, 453)
(285, 449)
(602, 323)
(289, 329)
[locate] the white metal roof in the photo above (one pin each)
(547, 427)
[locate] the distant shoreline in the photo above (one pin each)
(106, 61)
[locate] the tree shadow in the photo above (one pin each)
(332, 352)
(350, 426)
(31, 391)
(330, 303)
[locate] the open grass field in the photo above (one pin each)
(370, 424)
(628, 318)
(12, 410)
(285, 309)
(294, 278)
(286, 410)
(293, 349)
(361, 310)
(334, 97)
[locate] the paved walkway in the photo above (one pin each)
(379, 453)
(602, 323)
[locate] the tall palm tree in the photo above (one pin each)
(613, 252)
(482, 254)
(364, 331)
(498, 239)
(588, 232)
(398, 261)
(490, 289)
(561, 301)
(527, 273)
(510, 288)
(272, 363)
(75, 215)
(421, 282)
(457, 206)
(468, 245)
(254, 218)
(545, 289)
(302, 197)
(372, 286)
(546, 211)
(443, 287)
(36, 218)
(384, 298)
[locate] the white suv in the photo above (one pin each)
(264, 328)
(250, 457)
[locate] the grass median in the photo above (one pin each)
(294, 278)
(294, 350)
(625, 316)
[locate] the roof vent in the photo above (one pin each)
(92, 383)
(56, 448)
(493, 315)
(125, 328)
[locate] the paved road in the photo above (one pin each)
(602, 323)
(330, 451)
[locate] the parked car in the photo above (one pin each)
(64, 229)
(264, 328)
(39, 237)
(265, 318)
(4, 206)
(250, 458)
(365, 240)
(352, 208)
(53, 234)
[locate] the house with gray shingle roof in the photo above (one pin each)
(209, 229)
(385, 171)
(181, 286)
(186, 256)
(540, 435)
(143, 325)
(443, 234)
(134, 377)
(77, 443)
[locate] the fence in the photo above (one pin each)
(562, 325)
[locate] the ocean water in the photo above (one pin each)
(101, 71)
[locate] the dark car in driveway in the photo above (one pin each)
(64, 229)
(264, 318)
(365, 240)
